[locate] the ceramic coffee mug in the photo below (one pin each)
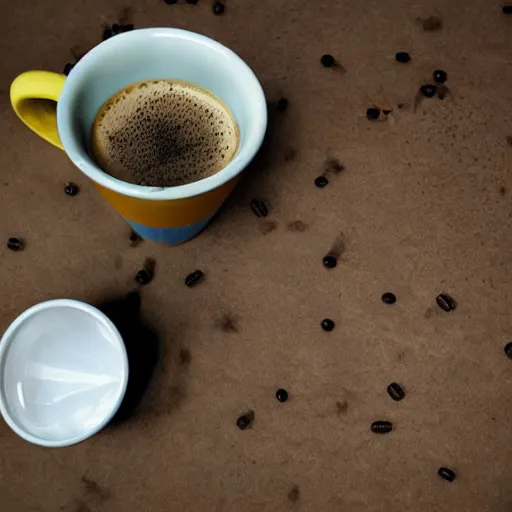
(62, 109)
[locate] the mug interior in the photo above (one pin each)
(160, 54)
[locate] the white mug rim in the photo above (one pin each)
(73, 148)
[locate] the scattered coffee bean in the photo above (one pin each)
(193, 278)
(321, 181)
(15, 244)
(439, 76)
(116, 29)
(396, 392)
(508, 350)
(145, 274)
(218, 8)
(381, 427)
(71, 189)
(170, 2)
(446, 474)
(327, 61)
(445, 302)
(282, 105)
(428, 90)
(373, 113)
(387, 112)
(135, 239)
(282, 395)
(402, 57)
(245, 421)
(507, 9)
(330, 261)
(388, 298)
(327, 324)
(192, 2)
(127, 28)
(259, 208)
(107, 33)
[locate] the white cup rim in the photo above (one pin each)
(241, 160)
(6, 342)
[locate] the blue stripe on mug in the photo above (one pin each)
(170, 235)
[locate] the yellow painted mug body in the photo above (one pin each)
(62, 109)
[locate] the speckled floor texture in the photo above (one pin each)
(423, 206)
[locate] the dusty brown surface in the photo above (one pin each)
(424, 205)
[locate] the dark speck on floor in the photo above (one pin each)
(341, 407)
(228, 324)
(267, 227)
(294, 494)
(297, 226)
(185, 357)
(432, 24)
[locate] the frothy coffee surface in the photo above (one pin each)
(163, 133)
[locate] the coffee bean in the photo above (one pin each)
(508, 350)
(245, 421)
(67, 68)
(428, 90)
(71, 189)
(402, 57)
(193, 278)
(381, 427)
(282, 395)
(446, 474)
(387, 112)
(282, 105)
(192, 2)
(15, 244)
(127, 28)
(327, 324)
(396, 392)
(439, 76)
(145, 274)
(321, 181)
(507, 9)
(328, 61)
(330, 261)
(388, 298)
(116, 29)
(107, 33)
(218, 8)
(259, 208)
(135, 239)
(373, 113)
(170, 2)
(445, 302)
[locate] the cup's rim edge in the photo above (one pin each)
(183, 191)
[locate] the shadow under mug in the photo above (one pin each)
(62, 109)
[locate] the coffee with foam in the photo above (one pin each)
(163, 133)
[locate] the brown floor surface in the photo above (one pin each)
(424, 206)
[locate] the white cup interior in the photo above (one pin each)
(155, 54)
(63, 372)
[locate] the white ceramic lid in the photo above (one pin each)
(63, 372)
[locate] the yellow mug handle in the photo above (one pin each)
(34, 96)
